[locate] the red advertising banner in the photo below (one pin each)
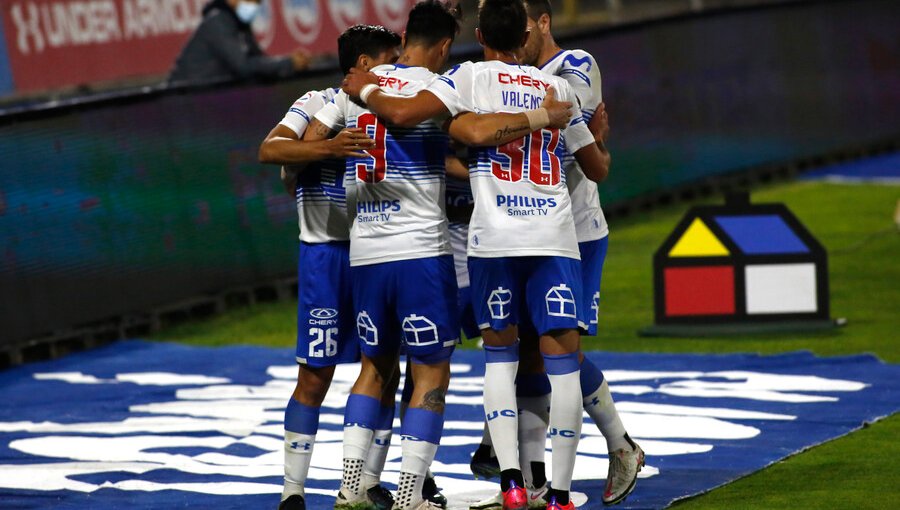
(59, 43)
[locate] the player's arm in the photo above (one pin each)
(593, 162)
(500, 128)
(599, 124)
(581, 142)
(456, 168)
(405, 111)
(283, 147)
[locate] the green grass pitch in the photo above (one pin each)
(855, 224)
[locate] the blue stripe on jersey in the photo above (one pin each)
(577, 73)
(300, 112)
(322, 181)
(448, 81)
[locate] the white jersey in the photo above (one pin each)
(399, 189)
(459, 194)
(320, 193)
(522, 205)
(580, 70)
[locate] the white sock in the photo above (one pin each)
(298, 449)
(486, 435)
(565, 426)
(500, 410)
(600, 407)
(375, 459)
(357, 441)
(417, 457)
(534, 418)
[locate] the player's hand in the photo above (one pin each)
(599, 124)
(350, 143)
(356, 80)
(560, 112)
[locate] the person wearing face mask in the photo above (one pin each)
(223, 47)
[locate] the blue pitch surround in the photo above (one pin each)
(884, 169)
(149, 425)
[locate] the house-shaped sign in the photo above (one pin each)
(737, 264)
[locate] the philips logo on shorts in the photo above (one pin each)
(323, 316)
(595, 307)
(506, 413)
(366, 329)
(498, 303)
(418, 330)
(562, 432)
(560, 301)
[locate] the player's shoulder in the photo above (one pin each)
(316, 98)
(571, 59)
(562, 87)
(413, 72)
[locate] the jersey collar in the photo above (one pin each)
(551, 59)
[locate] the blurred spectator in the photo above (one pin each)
(223, 47)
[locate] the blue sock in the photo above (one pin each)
(532, 385)
(423, 425)
(300, 418)
(591, 377)
(362, 411)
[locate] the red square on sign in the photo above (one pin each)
(699, 290)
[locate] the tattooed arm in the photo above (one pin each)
(500, 128)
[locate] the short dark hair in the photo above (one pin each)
(537, 8)
(357, 40)
(503, 23)
(432, 20)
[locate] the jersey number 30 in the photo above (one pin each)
(535, 152)
(373, 170)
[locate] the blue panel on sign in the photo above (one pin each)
(6, 77)
(761, 235)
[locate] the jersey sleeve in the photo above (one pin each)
(579, 69)
(302, 111)
(454, 88)
(332, 114)
(577, 134)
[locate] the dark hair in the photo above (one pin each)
(537, 8)
(503, 23)
(357, 40)
(432, 20)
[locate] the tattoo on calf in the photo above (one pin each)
(434, 400)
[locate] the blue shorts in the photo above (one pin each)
(546, 289)
(409, 304)
(325, 333)
(593, 253)
(467, 313)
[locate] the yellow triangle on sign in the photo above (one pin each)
(698, 241)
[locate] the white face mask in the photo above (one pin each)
(247, 11)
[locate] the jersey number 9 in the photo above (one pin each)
(373, 170)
